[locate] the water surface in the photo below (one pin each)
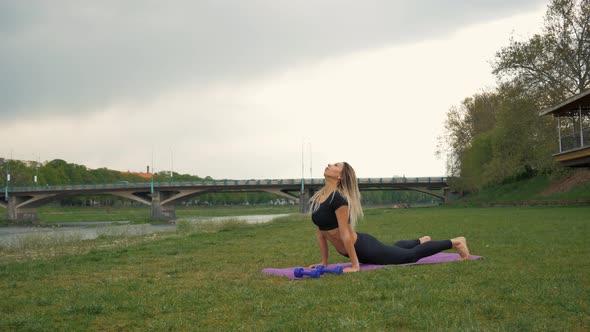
(16, 236)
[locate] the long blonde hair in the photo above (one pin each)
(347, 187)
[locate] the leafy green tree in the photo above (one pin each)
(20, 173)
(475, 116)
(498, 135)
(54, 173)
(475, 162)
(555, 63)
(523, 141)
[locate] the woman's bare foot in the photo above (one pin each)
(425, 238)
(460, 246)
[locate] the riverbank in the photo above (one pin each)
(22, 238)
(50, 215)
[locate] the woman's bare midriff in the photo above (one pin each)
(333, 236)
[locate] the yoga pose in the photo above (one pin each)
(335, 210)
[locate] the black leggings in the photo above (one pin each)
(370, 251)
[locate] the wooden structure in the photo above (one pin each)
(573, 125)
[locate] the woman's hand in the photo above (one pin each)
(313, 266)
(351, 269)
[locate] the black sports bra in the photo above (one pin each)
(325, 216)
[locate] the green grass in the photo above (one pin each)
(526, 191)
(534, 277)
(54, 214)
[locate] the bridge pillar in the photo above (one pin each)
(159, 211)
(14, 213)
(304, 197)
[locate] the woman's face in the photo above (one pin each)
(334, 170)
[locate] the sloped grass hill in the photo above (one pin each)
(571, 188)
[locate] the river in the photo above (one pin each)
(16, 236)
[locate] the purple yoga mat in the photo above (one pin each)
(441, 257)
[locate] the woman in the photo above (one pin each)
(335, 210)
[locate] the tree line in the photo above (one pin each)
(496, 135)
(60, 172)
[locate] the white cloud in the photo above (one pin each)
(380, 109)
(69, 56)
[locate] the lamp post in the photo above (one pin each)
(36, 177)
(8, 176)
(172, 159)
(310, 162)
(36, 173)
(152, 186)
(302, 167)
(7, 184)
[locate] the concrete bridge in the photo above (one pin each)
(22, 202)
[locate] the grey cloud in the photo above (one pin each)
(71, 55)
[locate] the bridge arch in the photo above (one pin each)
(22, 202)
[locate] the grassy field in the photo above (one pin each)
(534, 278)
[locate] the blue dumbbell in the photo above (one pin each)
(322, 269)
(300, 272)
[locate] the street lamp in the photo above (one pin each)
(302, 166)
(310, 162)
(36, 176)
(36, 173)
(7, 184)
(152, 185)
(172, 171)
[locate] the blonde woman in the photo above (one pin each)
(336, 208)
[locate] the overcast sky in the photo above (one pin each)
(242, 89)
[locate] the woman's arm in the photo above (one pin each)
(347, 237)
(323, 247)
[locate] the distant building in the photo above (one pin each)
(146, 175)
(142, 175)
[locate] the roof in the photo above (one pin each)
(142, 175)
(570, 104)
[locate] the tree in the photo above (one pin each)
(53, 173)
(474, 163)
(556, 63)
(495, 136)
(475, 116)
(498, 135)
(522, 141)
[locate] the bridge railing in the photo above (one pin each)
(216, 183)
(403, 180)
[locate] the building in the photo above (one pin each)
(573, 126)
(146, 176)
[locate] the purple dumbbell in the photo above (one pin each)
(336, 270)
(300, 272)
